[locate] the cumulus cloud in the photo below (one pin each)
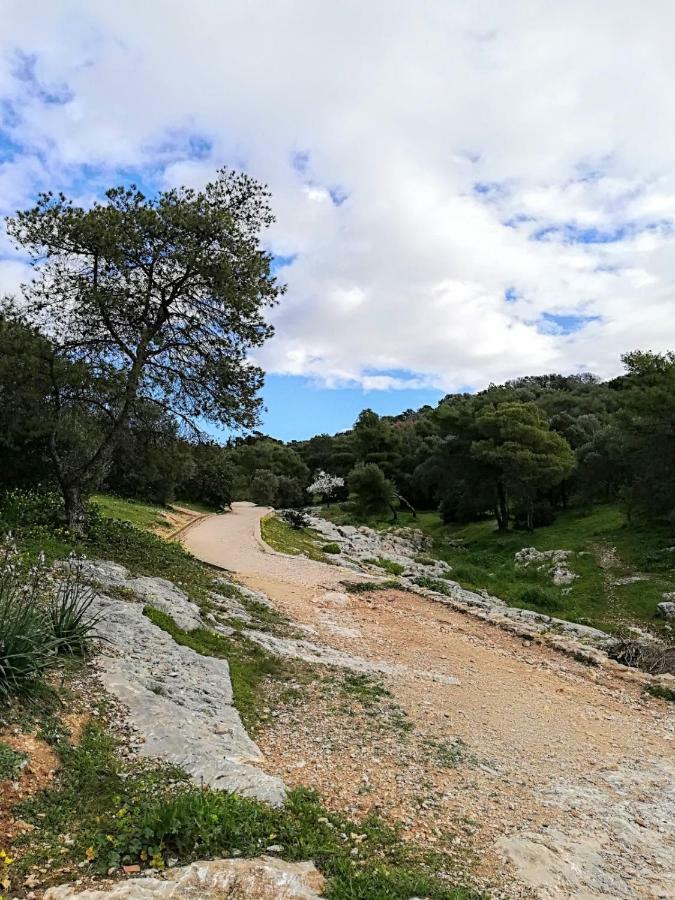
(464, 192)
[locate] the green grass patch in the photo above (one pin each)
(368, 587)
(364, 688)
(331, 548)
(393, 568)
(281, 536)
(11, 761)
(483, 558)
(143, 515)
(117, 812)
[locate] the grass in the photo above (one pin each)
(143, 515)
(482, 558)
(393, 568)
(282, 537)
(367, 587)
(115, 812)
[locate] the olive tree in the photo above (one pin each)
(158, 300)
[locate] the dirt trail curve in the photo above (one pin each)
(563, 779)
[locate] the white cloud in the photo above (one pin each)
(562, 115)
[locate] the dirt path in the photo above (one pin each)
(558, 778)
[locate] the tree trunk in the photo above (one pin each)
(530, 515)
(502, 506)
(76, 514)
(407, 504)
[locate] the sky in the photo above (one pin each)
(464, 192)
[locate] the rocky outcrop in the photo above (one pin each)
(179, 702)
(365, 543)
(264, 878)
(666, 608)
(403, 546)
(553, 562)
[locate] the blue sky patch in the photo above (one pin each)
(338, 195)
(300, 161)
(564, 324)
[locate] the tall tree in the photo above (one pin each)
(159, 299)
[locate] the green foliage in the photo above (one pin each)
(372, 489)
(71, 620)
(39, 619)
(661, 691)
(11, 762)
(27, 645)
(333, 549)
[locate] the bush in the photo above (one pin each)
(71, 619)
(20, 508)
(295, 518)
(38, 619)
(27, 645)
(331, 548)
(541, 597)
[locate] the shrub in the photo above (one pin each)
(534, 595)
(295, 518)
(70, 616)
(27, 645)
(331, 548)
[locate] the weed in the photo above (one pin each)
(451, 754)
(27, 645)
(11, 762)
(116, 815)
(69, 611)
(364, 688)
(434, 584)
(539, 597)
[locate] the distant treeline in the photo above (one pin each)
(518, 451)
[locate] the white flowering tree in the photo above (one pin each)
(326, 485)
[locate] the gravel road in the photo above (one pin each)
(567, 777)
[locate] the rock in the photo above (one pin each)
(554, 561)
(328, 656)
(179, 701)
(666, 609)
(264, 878)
